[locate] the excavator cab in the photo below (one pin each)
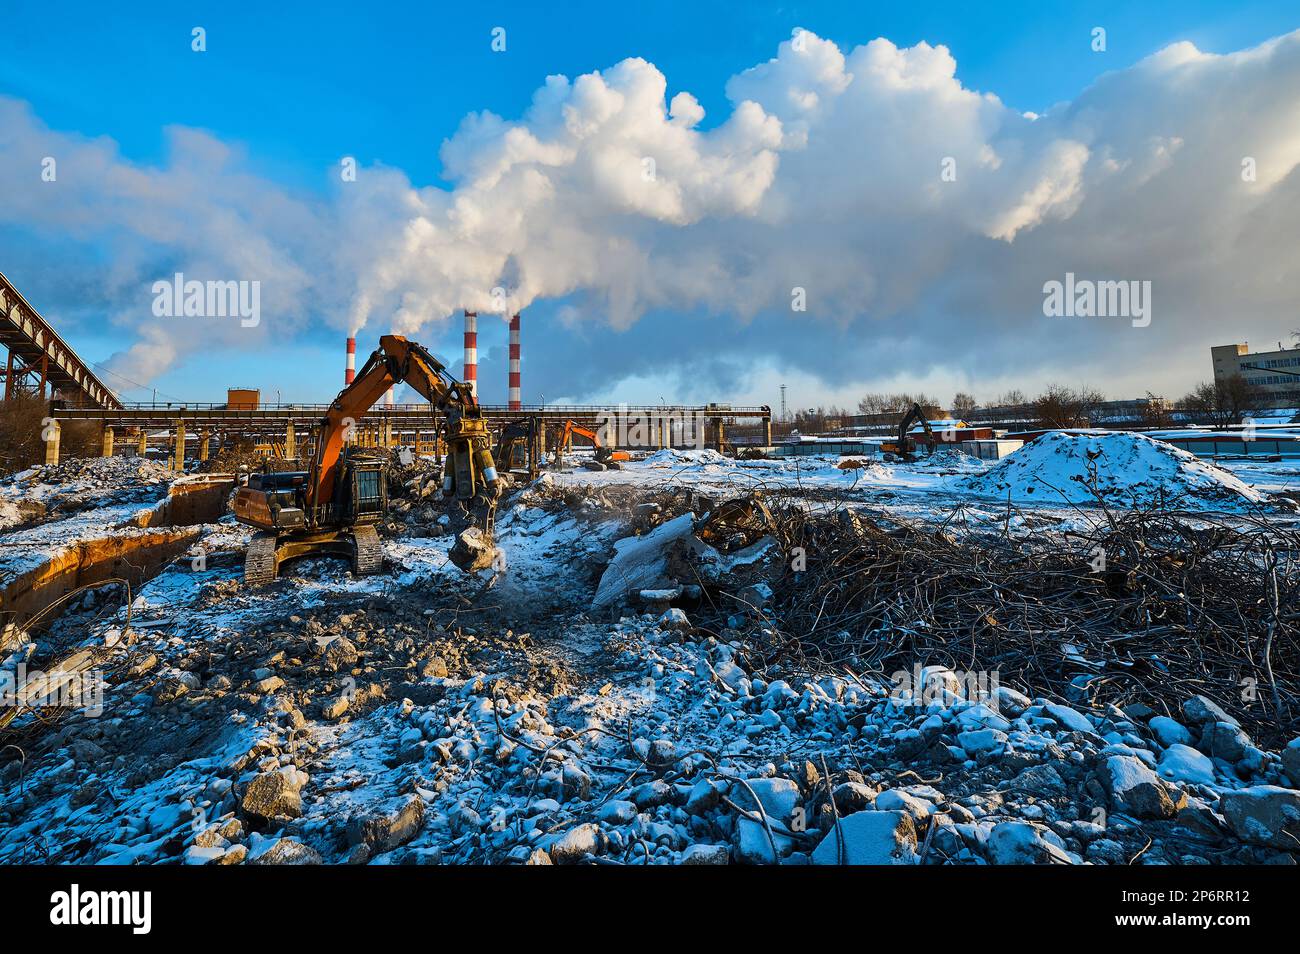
(363, 490)
(518, 448)
(604, 457)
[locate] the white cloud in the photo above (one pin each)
(826, 175)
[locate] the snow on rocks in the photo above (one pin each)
(1265, 814)
(764, 823)
(641, 563)
(1024, 843)
(1136, 790)
(1182, 763)
(869, 838)
(1131, 470)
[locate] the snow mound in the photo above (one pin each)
(1132, 471)
(678, 458)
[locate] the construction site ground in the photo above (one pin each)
(617, 692)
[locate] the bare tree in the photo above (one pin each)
(1222, 402)
(1156, 412)
(963, 404)
(1060, 406)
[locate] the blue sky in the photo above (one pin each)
(296, 86)
(302, 84)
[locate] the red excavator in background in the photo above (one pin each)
(333, 507)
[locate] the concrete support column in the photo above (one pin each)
(203, 444)
(290, 442)
(142, 443)
(767, 432)
(107, 448)
(719, 434)
(178, 453)
(52, 434)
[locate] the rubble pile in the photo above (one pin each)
(1134, 610)
(294, 747)
(76, 485)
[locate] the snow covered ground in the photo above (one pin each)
(422, 716)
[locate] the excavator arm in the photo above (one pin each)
(903, 445)
(470, 468)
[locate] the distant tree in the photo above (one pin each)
(963, 404)
(872, 404)
(1012, 398)
(1222, 402)
(1060, 406)
(897, 404)
(1156, 412)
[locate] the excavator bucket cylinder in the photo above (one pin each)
(487, 467)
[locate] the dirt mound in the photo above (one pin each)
(1129, 470)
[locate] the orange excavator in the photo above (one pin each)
(333, 507)
(604, 456)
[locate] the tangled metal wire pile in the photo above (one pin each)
(1147, 607)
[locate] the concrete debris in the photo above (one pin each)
(274, 794)
(473, 551)
(1136, 790)
(387, 826)
(869, 838)
(1265, 815)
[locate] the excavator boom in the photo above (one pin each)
(903, 446)
(396, 360)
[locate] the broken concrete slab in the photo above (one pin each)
(869, 838)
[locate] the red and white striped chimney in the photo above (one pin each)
(471, 351)
(515, 402)
(350, 369)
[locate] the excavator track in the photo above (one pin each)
(368, 557)
(259, 561)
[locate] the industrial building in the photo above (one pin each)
(1262, 369)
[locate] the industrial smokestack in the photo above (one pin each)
(388, 396)
(471, 351)
(515, 402)
(350, 369)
